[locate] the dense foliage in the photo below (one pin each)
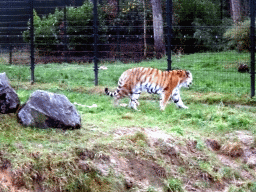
(238, 36)
(198, 25)
(50, 29)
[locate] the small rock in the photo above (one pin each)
(243, 68)
(160, 171)
(191, 144)
(245, 137)
(103, 169)
(128, 183)
(84, 166)
(168, 150)
(233, 149)
(113, 161)
(213, 144)
(86, 154)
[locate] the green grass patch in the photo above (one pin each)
(60, 160)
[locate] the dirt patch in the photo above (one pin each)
(139, 172)
(213, 144)
(143, 159)
(231, 156)
(7, 181)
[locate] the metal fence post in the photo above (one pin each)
(10, 43)
(65, 32)
(221, 9)
(252, 7)
(32, 46)
(169, 33)
(118, 30)
(95, 35)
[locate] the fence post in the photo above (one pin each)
(95, 35)
(10, 43)
(252, 5)
(169, 33)
(65, 32)
(221, 9)
(118, 30)
(32, 46)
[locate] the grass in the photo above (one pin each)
(174, 185)
(216, 72)
(76, 160)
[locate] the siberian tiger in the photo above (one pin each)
(165, 83)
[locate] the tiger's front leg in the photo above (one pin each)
(177, 99)
(164, 99)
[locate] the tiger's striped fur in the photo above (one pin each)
(165, 83)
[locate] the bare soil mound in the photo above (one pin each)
(150, 159)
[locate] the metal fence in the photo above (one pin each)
(115, 30)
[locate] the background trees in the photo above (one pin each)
(158, 28)
(235, 10)
(127, 27)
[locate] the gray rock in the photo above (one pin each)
(9, 100)
(45, 109)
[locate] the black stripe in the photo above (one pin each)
(176, 100)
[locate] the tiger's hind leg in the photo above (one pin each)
(177, 99)
(120, 93)
(134, 100)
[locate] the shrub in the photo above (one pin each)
(210, 38)
(238, 36)
(201, 19)
(49, 30)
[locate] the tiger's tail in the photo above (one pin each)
(111, 94)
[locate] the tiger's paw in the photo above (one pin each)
(183, 107)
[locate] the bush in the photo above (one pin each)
(195, 15)
(238, 36)
(197, 24)
(49, 30)
(211, 38)
(50, 34)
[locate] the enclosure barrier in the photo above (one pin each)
(252, 35)
(116, 41)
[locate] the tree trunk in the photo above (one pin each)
(235, 6)
(158, 29)
(145, 29)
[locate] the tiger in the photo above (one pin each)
(167, 84)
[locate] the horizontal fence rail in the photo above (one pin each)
(34, 32)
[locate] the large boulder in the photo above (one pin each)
(45, 109)
(9, 100)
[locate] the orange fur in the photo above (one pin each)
(133, 81)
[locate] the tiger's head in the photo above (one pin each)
(185, 78)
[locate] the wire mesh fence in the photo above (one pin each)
(207, 37)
